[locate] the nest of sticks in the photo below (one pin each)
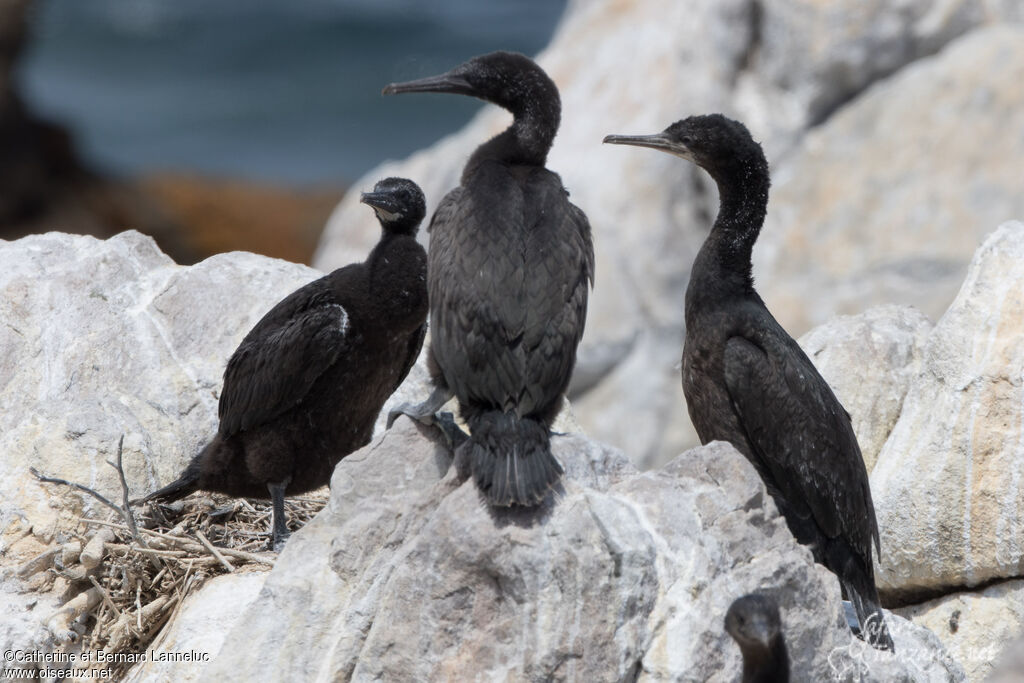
(122, 578)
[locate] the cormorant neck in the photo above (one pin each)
(766, 665)
(743, 195)
(403, 226)
(528, 140)
(389, 234)
(388, 259)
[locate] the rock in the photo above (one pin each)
(204, 619)
(1010, 666)
(868, 360)
(809, 58)
(976, 628)
(407, 575)
(21, 628)
(104, 338)
(885, 201)
(946, 484)
(100, 339)
(636, 381)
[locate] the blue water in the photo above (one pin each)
(286, 91)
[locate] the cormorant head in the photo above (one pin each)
(398, 203)
(508, 79)
(721, 146)
(753, 622)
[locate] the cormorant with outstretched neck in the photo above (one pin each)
(748, 382)
(753, 622)
(305, 386)
(510, 262)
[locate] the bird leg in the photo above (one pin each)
(427, 413)
(280, 533)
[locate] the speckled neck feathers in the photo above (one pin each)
(536, 108)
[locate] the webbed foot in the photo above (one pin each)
(427, 413)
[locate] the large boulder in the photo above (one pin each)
(408, 575)
(886, 201)
(809, 58)
(869, 360)
(195, 636)
(977, 627)
(406, 572)
(947, 482)
(100, 339)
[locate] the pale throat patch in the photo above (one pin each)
(387, 216)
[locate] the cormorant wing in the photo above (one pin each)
(475, 289)
(281, 357)
(803, 437)
(412, 352)
(561, 253)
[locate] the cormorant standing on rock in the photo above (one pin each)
(748, 382)
(510, 262)
(753, 622)
(306, 384)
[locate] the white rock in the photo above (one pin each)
(1010, 666)
(809, 58)
(21, 628)
(186, 646)
(976, 627)
(869, 360)
(947, 485)
(407, 575)
(886, 201)
(104, 338)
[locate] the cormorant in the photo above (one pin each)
(748, 382)
(306, 384)
(510, 262)
(753, 622)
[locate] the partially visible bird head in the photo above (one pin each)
(507, 79)
(718, 144)
(753, 622)
(398, 203)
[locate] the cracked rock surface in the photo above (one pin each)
(104, 338)
(408, 575)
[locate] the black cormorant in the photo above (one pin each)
(306, 384)
(510, 262)
(753, 622)
(748, 382)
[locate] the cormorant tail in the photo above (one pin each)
(511, 458)
(864, 598)
(187, 483)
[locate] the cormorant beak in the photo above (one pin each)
(660, 141)
(446, 82)
(760, 632)
(383, 204)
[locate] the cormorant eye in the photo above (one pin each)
(686, 140)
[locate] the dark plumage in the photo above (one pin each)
(510, 262)
(753, 622)
(748, 382)
(306, 384)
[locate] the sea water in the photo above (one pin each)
(280, 91)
